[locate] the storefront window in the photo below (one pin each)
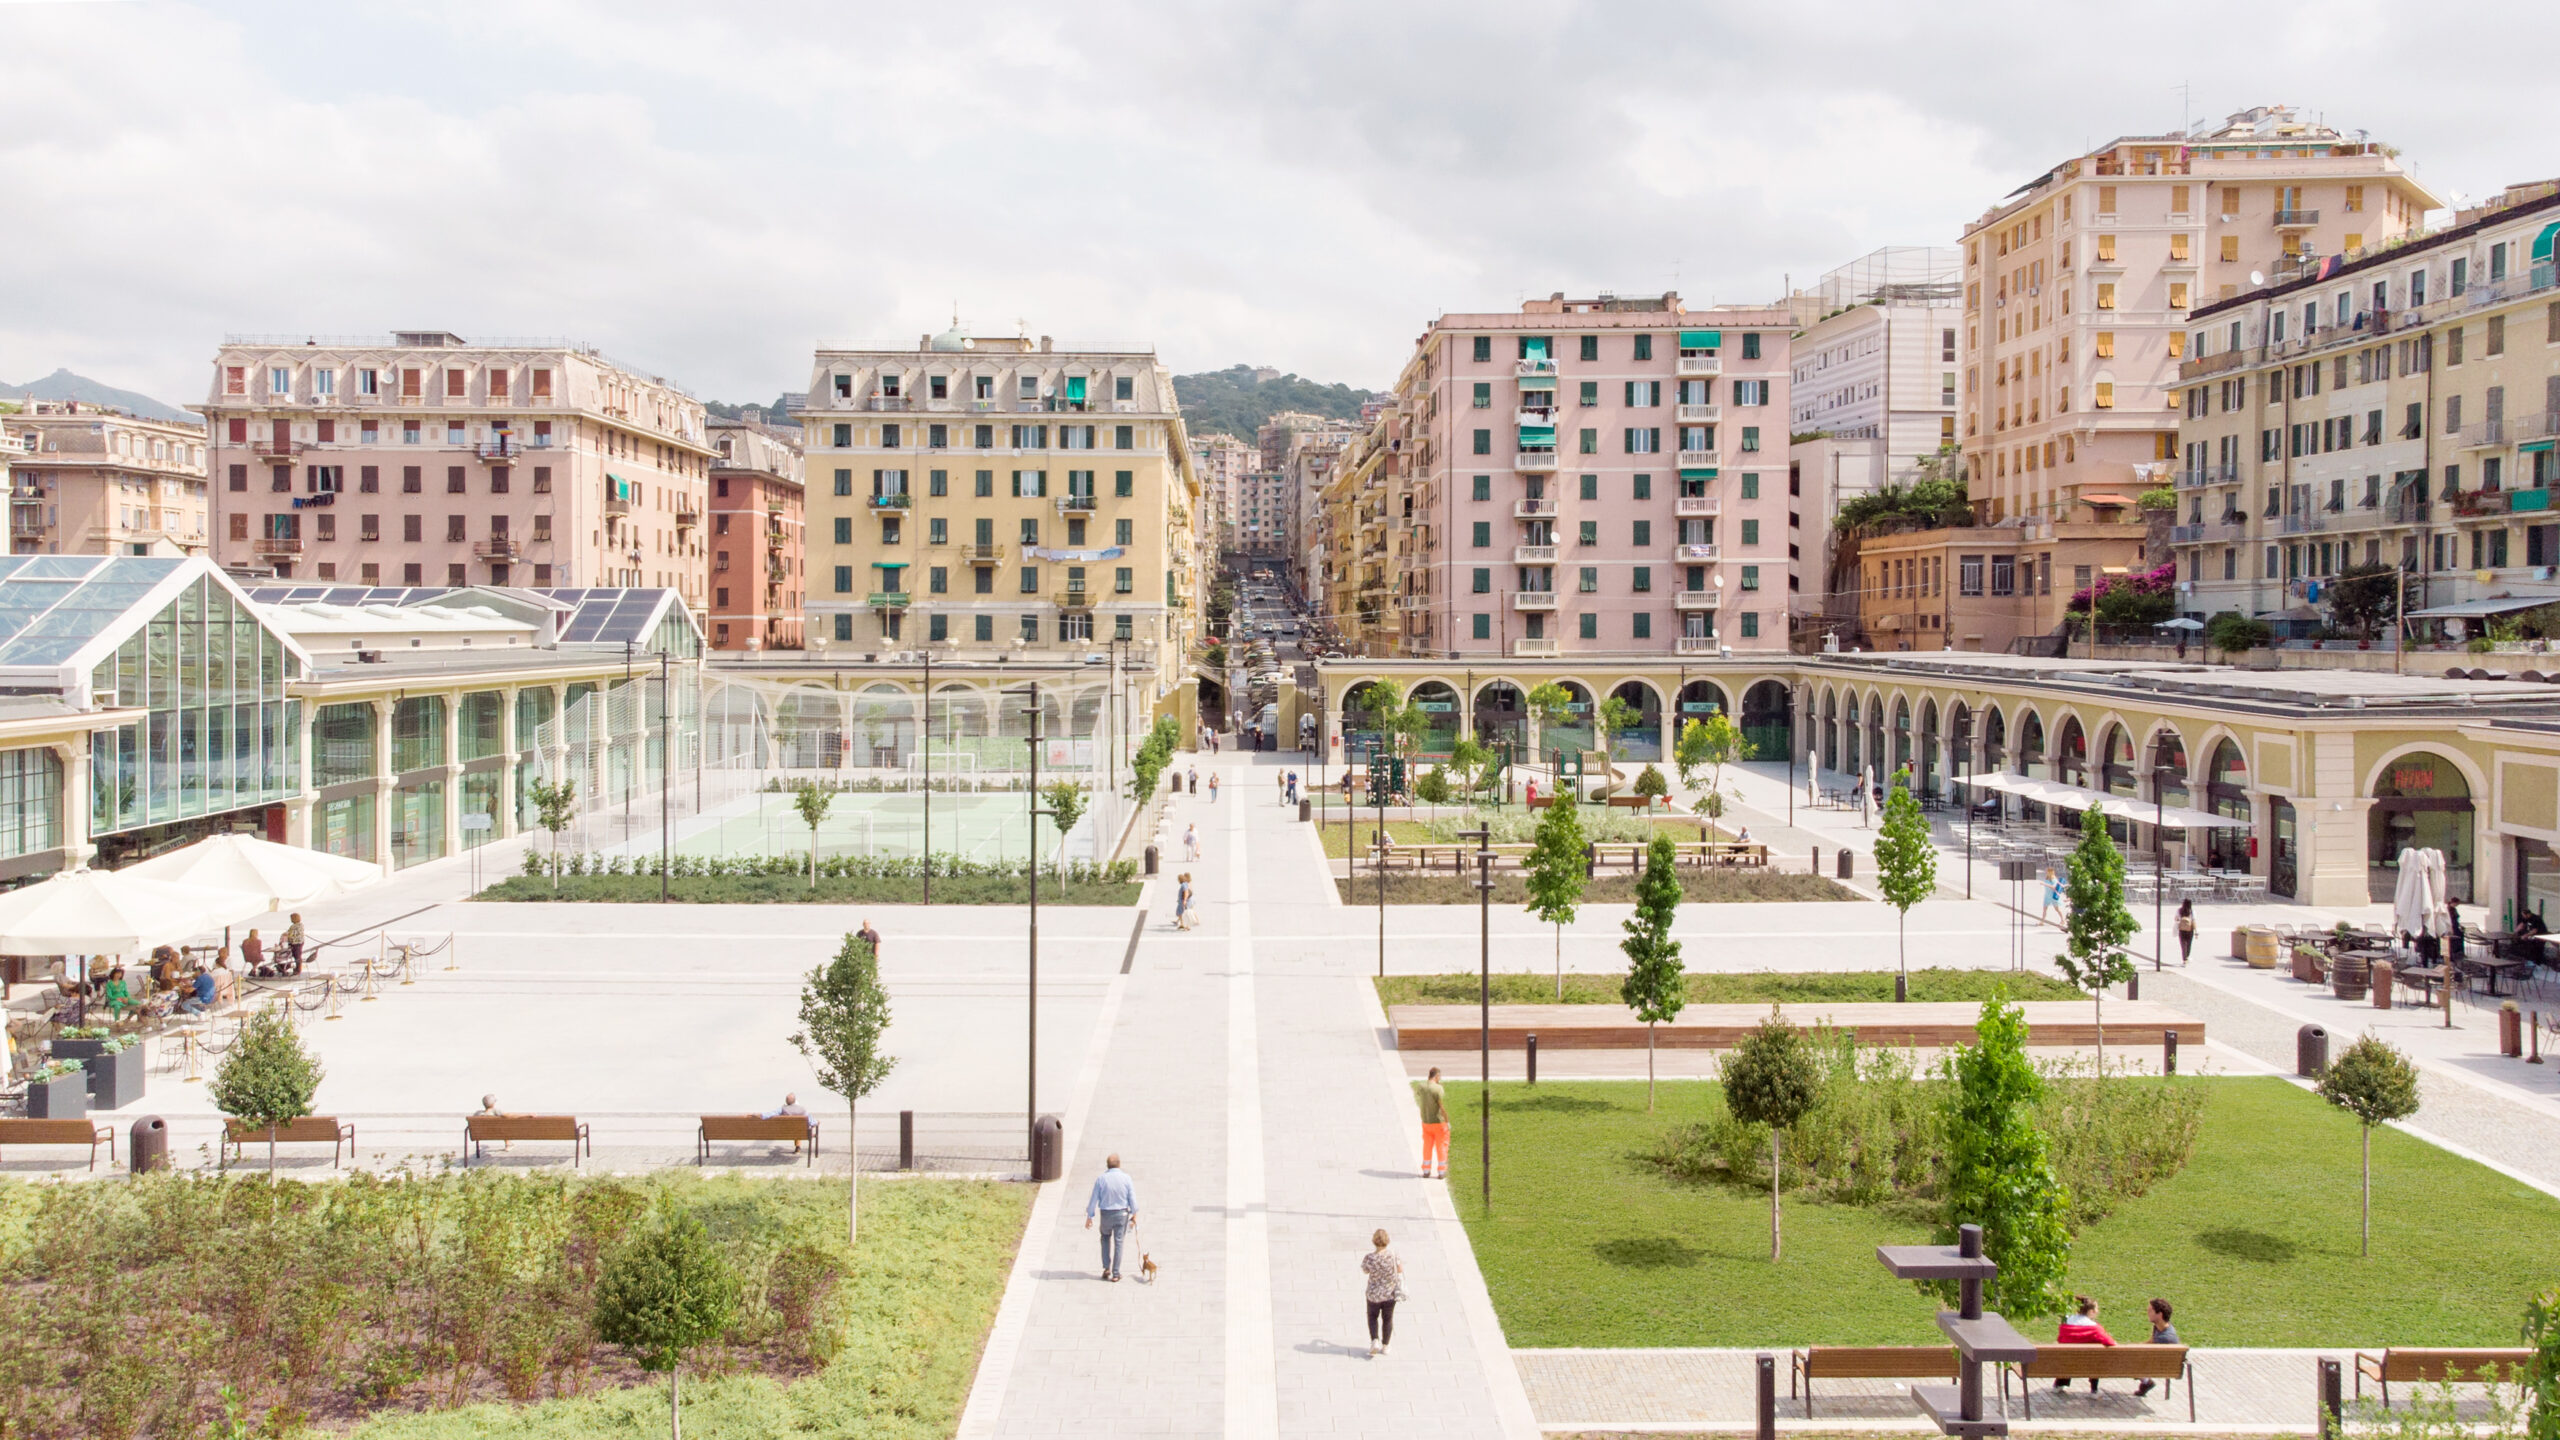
(341, 744)
(30, 800)
(2537, 880)
(483, 720)
(417, 824)
(481, 796)
(417, 734)
(345, 827)
(2421, 802)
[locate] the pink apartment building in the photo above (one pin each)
(1600, 475)
(421, 459)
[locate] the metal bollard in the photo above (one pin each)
(1533, 1057)
(2332, 1408)
(906, 1139)
(2133, 986)
(1765, 1370)
(2168, 1052)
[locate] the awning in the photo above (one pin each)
(1075, 387)
(2531, 446)
(1707, 474)
(889, 564)
(2473, 609)
(1701, 339)
(1533, 348)
(2080, 797)
(616, 488)
(2106, 499)
(2543, 243)
(1537, 435)
(2523, 501)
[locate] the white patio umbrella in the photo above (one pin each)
(113, 912)
(2417, 899)
(284, 875)
(1812, 775)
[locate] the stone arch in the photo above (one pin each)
(1438, 700)
(1830, 728)
(1901, 737)
(2115, 767)
(808, 729)
(2167, 750)
(1991, 750)
(2070, 751)
(1576, 731)
(1877, 772)
(1768, 720)
(1644, 743)
(1500, 710)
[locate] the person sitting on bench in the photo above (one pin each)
(790, 1106)
(2162, 1333)
(116, 995)
(2081, 1328)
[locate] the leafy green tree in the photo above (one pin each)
(1066, 802)
(843, 1012)
(1393, 715)
(554, 806)
(668, 1292)
(2375, 1083)
(2096, 926)
(1650, 784)
(1555, 870)
(1551, 705)
(2000, 1172)
(2232, 633)
(267, 1080)
(1906, 868)
(1467, 762)
(1616, 718)
(2364, 597)
(2541, 1378)
(1710, 745)
(1432, 786)
(1935, 499)
(1653, 988)
(1772, 1079)
(812, 800)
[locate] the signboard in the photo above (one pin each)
(1066, 754)
(1699, 707)
(474, 823)
(1435, 707)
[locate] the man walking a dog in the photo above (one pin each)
(1115, 1200)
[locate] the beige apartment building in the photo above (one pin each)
(1363, 556)
(2396, 405)
(759, 528)
(89, 480)
(1001, 498)
(1224, 464)
(423, 459)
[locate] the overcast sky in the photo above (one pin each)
(711, 191)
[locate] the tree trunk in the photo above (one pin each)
(2365, 1242)
(1774, 1241)
(813, 857)
(853, 1178)
(2098, 1000)
(1648, 1067)
(1559, 962)
(675, 1405)
(271, 1153)
(1901, 956)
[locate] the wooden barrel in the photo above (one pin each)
(2260, 946)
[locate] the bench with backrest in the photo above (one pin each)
(2412, 1365)
(479, 1130)
(800, 1130)
(61, 1132)
(2167, 1363)
(1868, 1362)
(303, 1130)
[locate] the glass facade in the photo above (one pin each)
(341, 744)
(417, 734)
(30, 801)
(480, 732)
(344, 827)
(480, 796)
(220, 734)
(417, 823)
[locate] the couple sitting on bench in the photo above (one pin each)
(2082, 1328)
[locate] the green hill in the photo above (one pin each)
(1236, 400)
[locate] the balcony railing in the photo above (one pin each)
(1528, 368)
(1700, 414)
(2306, 523)
(1696, 645)
(894, 500)
(2208, 475)
(1532, 509)
(889, 599)
(1530, 649)
(1693, 552)
(2290, 219)
(1696, 600)
(2481, 435)
(616, 506)
(1697, 459)
(1075, 503)
(885, 402)
(279, 449)
(2469, 503)
(278, 545)
(981, 554)
(503, 448)
(1533, 554)
(1698, 505)
(1533, 600)
(1534, 461)
(1075, 599)
(1698, 366)
(497, 548)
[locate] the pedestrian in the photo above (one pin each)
(1435, 1127)
(2162, 1333)
(1862, 802)
(2052, 894)
(869, 937)
(1115, 1201)
(2186, 930)
(1182, 901)
(1280, 782)
(2453, 935)
(1292, 797)
(291, 945)
(1191, 843)
(2081, 1327)
(1385, 1287)
(1213, 787)
(1195, 779)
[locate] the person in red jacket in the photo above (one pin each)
(2081, 1328)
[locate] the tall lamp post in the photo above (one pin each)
(1031, 1040)
(666, 771)
(1483, 836)
(2159, 856)
(927, 727)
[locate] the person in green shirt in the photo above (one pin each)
(1435, 1127)
(117, 996)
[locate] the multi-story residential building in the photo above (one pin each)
(1602, 474)
(2078, 291)
(1367, 537)
(424, 459)
(1001, 498)
(758, 524)
(95, 481)
(1265, 523)
(1222, 462)
(1880, 361)
(2398, 406)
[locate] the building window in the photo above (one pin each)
(1750, 624)
(1484, 442)
(1484, 395)
(1483, 534)
(1643, 536)
(1483, 487)
(1483, 629)
(1750, 438)
(1589, 580)
(1750, 577)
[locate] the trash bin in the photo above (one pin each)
(148, 1148)
(1151, 859)
(1848, 863)
(2311, 1051)
(2510, 1030)
(2382, 973)
(1048, 1149)
(1306, 811)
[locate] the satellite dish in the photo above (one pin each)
(2257, 278)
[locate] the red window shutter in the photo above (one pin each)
(239, 432)
(454, 386)
(409, 383)
(328, 432)
(283, 433)
(239, 526)
(235, 381)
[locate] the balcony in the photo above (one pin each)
(1698, 505)
(1075, 599)
(2295, 219)
(1533, 415)
(894, 500)
(2481, 435)
(497, 547)
(2209, 475)
(505, 447)
(2468, 504)
(1534, 461)
(1691, 366)
(275, 449)
(1697, 459)
(2307, 523)
(278, 545)
(1529, 368)
(1533, 509)
(1700, 414)
(1533, 554)
(1533, 649)
(885, 402)
(687, 516)
(1533, 600)
(981, 554)
(1073, 503)
(615, 505)
(889, 599)
(1696, 599)
(1693, 552)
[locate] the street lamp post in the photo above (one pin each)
(1031, 870)
(666, 771)
(927, 727)
(1483, 836)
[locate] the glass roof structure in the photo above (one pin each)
(596, 617)
(74, 610)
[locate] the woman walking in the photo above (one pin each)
(1213, 787)
(1182, 902)
(2052, 894)
(1386, 1287)
(2186, 930)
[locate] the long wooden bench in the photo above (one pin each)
(2415, 1365)
(1868, 1362)
(2165, 1363)
(61, 1132)
(478, 1130)
(800, 1130)
(304, 1130)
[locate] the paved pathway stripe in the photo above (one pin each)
(1253, 1389)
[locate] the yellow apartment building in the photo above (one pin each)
(88, 480)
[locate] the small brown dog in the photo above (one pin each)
(1146, 1268)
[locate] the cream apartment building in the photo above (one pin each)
(422, 458)
(1368, 542)
(1000, 498)
(2398, 405)
(89, 480)
(1223, 464)
(759, 525)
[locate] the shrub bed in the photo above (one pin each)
(1714, 988)
(796, 890)
(1707, 886)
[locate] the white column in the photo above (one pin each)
(452, 763)
(77, 789)
(384, 785)
(507, 745)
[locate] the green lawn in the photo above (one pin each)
(1726, 989)
(1737, 886)
(2255, 1241)
(795, 890)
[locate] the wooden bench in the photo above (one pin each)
(1630, 802)
(61, 1132)
(2167, 1363)
(478, 1130)
(748, 1129)
(1868, 1362)
(302, 1130)
(2414, 1365)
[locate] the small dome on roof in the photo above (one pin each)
(953, 339)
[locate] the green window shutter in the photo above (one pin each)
(938, 580)
(1591, 343)
(1588, 532)
(1590, 442)
(1590, 487)
(1631, 394)
(1643, 578)
(844, 482)
(1590, 392)
(1750, 437)
(1750, 573)
(1644, 347)
(1484, 395)
(1589, 580)
(1644, 624)
(1075, 387)
(1483, 348)
(1483, 581)
(1750, 485)
(1590, 626)
(1644, 488)
(1484, 442)
(1484, 534)
(1750, 624)
(1484, 626)
(844, 529)
(1484, 487)
(1644, 533)
(1751, 347)
(1750, 532)
(1123, 484)
(844, 579)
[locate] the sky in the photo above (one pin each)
(710, 192)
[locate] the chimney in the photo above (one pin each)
(925, 341)
(1044, 344)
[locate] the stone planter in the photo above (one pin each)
(115, 1080)
(65, 1097)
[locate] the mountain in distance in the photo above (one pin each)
(1235, 401)
(773, 411)
(63, 385)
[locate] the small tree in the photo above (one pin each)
(1066, 806)
(1616, 717)
(843, 1012)
(1651, 785)
(2541, 1378)
(812, 801)
(554, 805)
(1467, 762)
(1772, 1079)
(1551, 705)
(2365, 596)
(665, 1293)
(2096, 926)
(2375, 1083)
(1711, 744)
(2000, 1169)
(1397, 718)
(268, 1079)
(2232, 632)
(1653, 988)
(1556, 870)
(1906, 869)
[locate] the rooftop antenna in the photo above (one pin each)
(2185, 107)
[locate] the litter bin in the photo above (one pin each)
(2311, 1051)
(2510, 1030)
(1848, 863)
(2382, 973)
(1151, 859)
(1306, 811)
(148, 1148)
(1048, 1149)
